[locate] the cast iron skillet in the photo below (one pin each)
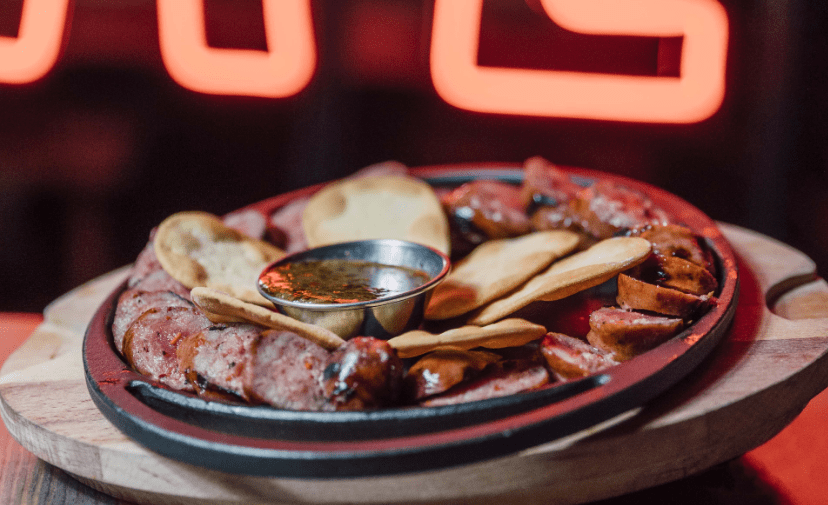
(260, 440)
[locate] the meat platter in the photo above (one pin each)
(262, 440)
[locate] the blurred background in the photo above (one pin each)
(107, 144)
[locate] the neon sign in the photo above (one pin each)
(29, 56)
(288, 65)
(283, 70)
(692, 97)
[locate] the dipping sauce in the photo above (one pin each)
(338, 281)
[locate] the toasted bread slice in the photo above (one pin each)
(376, 207)
(198, 249)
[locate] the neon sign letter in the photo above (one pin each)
(694, 96)
(29, 56)
(283, 70)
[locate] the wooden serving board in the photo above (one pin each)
(769, 365)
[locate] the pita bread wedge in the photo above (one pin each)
(573, 274)
(495, 268)
(222, 308)
(374, 207)
(507, 333)
(198, 249)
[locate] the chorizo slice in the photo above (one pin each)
(134, 302)
(571, 358)
(673, 240)
(250, 222)
(676, 273)
(482, 210)
(439, 370)
(546, 185)
(500, 379)
(285, 229)
(151, 343)
(635, 294)
(287, 371)
(625, 334)
(220, 357)
(279, 368)
(364, 373)
(606, 208)
(145, 264)
(561, 217)
(160, 280)
(148, 275)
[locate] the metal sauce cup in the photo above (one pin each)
(382, 317)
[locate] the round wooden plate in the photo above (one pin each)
(771, 362)
(256, 440)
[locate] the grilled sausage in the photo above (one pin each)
(571, 358)
(625, 334)
(606, 208)
(287, 371)
(439, 370)
(151, 342)
(279, 368)
(545, 185)
(134, 302)
(364, 373)
(483, 210)
(634, 294)
(676, 273)
(678, 241)
(500, 379)
(220, 357)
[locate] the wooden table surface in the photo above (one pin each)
(25, 479)
(788, 469)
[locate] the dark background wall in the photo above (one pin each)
(107, 145)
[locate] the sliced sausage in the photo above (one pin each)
(439, 370)
(561, 217)
(482, 210)
(364, 373)
(134, 302)
(147, 274)
(160, 280)
(247, 221)
(571, 358)
(606, 208)
(625, 334)
(676, 273)
(285, 227)
(145, 264)
(500, 379)
(679, 241)
(287, 371)
(634, 294)
(546, 185)
(221, 357)
(279, 368)
(151, 342)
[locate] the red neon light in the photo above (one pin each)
(29, 56)
(694, 96)
(283, 70)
